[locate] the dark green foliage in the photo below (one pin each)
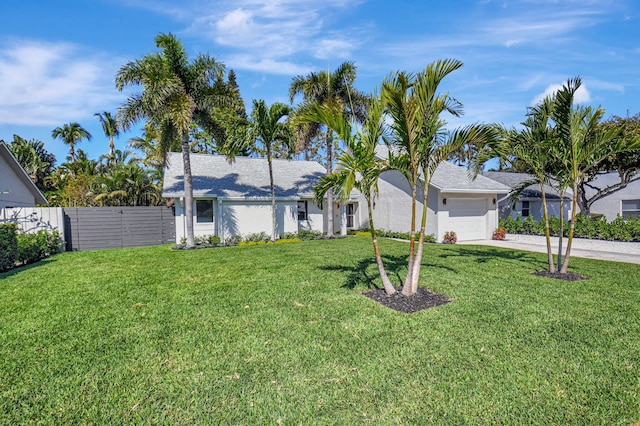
(8, 246)
(619, 229)
(304, 235)
(33, 247)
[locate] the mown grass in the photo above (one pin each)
(257, 335)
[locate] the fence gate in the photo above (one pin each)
(94, 228)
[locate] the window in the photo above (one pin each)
(351, 208)
(302, 210)
(630, 209)
(525, 209)
(204, 211)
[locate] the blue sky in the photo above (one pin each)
(58, 58)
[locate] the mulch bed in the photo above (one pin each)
(569, 276)
(423, 299)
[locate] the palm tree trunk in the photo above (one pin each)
(273, 196)
(407, 287)
(572, 225)
(547, 231)
(112, 146)
(188, 190)
(388, 287)
(330, 192)
(561, 232)
(418, 259)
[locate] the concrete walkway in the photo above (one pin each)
(615, 251)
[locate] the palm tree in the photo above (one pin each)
(419, 143)
(175, 93)
(328, 88)
(71, 134)
(358, 166)
(266, 133)
(583, 145)
(534, 148)
(110, 128)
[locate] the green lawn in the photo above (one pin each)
(257, 335)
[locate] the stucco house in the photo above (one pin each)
(625, 202)
(16, 188)
(234, 198)
(456, 202)
(529, 202)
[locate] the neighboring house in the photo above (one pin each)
(456, 203)
(625, 202)
(234, 197)
(16, 188)
(529, 201)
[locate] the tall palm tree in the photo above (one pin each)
(534, 148)
(420, 143)
(358, 167)
(175, 93)
(584, 145)
(71, 134)
(267, 134)
(337, 89)
(110, 128)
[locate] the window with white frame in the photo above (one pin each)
(351, 209)
(204, 211)
(302, 210)
(525, 209)
(630, 209)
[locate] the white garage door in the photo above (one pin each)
(468, 218)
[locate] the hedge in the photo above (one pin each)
(619, 229)
(18, 247)
(8, 246)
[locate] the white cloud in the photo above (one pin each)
(271, 33)
(50, 83)
(582, 95)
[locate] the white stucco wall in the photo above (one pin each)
(13, 192)
(315, 218)
(611, 205)
(243, 217)
(392, 206)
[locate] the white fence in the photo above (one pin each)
(33, 219)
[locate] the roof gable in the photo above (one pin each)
(244, 177)
(19, 172)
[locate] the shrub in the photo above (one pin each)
(450, 237)
(8, 246)
(499, 233)
(257, 237)
(33, 247)
(232, 240)
(619, 229)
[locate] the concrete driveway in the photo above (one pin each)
(615, 251)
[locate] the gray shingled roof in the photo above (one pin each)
(214, 176)
(531, 192)
(451, 178)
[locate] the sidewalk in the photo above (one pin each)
(615, 251)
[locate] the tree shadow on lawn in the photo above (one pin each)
(365, 271)
(484, 254)
(28, 266)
